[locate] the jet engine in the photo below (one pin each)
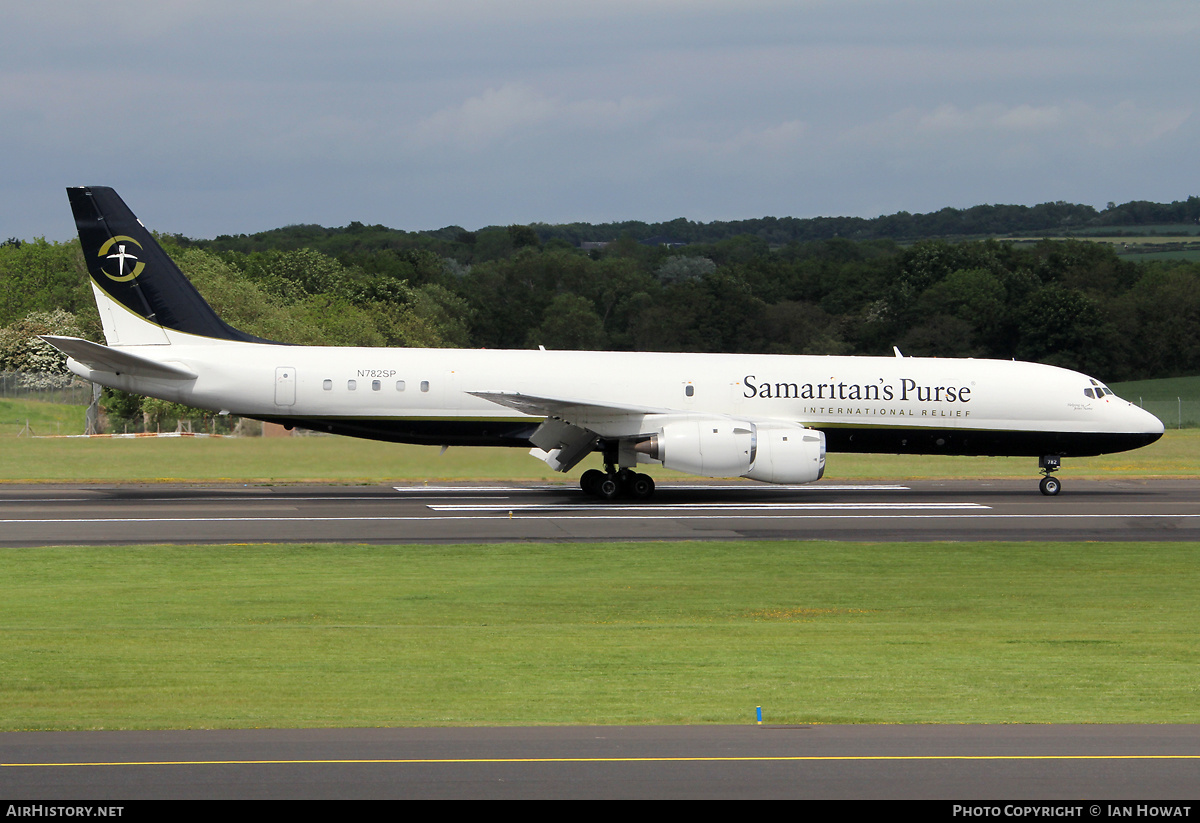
(771, 452)
(788, 454)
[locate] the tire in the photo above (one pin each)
(641, 486)
(590, 480)
(608, 488)
(1050, 486)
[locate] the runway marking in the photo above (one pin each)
(105, 496)
(632, 514)
(471, 507)
(689, 759)
(444, 489)
(202, 499)
(757, 487)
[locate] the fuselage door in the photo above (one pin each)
(285, 386)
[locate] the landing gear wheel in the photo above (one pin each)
(1050, 486)
(608, 488)
(590, 481)
(641, 486)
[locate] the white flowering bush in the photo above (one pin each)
(21, 350)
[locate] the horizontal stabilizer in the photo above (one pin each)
(117, 361)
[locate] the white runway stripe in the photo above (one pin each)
(745, 487)
(503, 515)
(692, 507)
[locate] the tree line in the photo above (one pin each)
(1070, 303)
(1058, 218)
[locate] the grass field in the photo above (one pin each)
(1186, 230)
(40, 418)
(348, 635)
(1190, 255)
(1140, 244)
(346, 460)
(312, 636)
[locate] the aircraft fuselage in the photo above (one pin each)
(862, 404)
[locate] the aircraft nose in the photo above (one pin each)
(1153, 424)
(1147, 423)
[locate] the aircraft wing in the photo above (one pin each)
(572, 427)
(564, 408)
(117, 361)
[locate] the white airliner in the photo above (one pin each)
(765, 417)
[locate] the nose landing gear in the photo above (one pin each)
(1050, 484)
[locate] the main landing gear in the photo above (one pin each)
(1050, 484)
(613, 483)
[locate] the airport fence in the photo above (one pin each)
(72, 391)
(227, 425)
(49, 388)
(1180, 413)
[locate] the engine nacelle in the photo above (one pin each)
(717, 447)
(713, 447)
(788, 454)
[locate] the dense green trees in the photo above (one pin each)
(1072, 303)
(41, 276)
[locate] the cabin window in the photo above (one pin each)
(351, 384)
(399, 385)
(327, 384)
(376, 385)
(689, 390)
(424, 385)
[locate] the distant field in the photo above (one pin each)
(1119, 240)
(1187, 230)
(814, 632)
(1179, 242)
(1165, 389)
(1190, 255)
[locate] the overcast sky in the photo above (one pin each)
(214, 117)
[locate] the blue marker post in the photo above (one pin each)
(760, 715)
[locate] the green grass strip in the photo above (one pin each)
(347, 460)
(814, 632)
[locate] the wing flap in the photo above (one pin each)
(561, 445)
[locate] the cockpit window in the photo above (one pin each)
(1088, 393)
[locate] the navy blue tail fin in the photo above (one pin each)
(127, 264)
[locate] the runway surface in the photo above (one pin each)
(920, 510)
(1071, 763)
(1082, 765)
